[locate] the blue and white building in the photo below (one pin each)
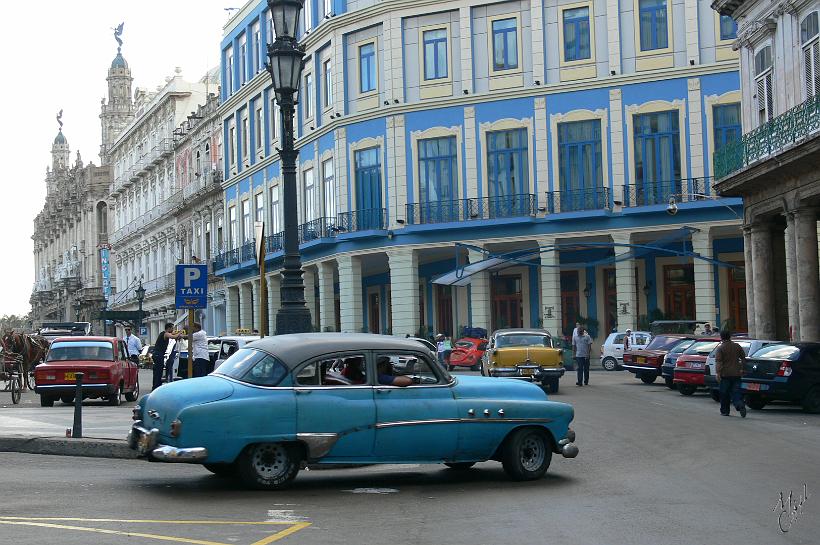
(506, 126)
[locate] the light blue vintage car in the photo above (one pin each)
(285, 401)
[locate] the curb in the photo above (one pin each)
(59, 446)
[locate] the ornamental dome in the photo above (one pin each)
(119, 61)
(60, 140)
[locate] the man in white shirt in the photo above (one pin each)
(199, 351)
(134, 345)
(628, 340)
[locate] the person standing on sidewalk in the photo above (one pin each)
(160, 346)
(134, 345)
(583, 348)
(199, 351)
(729, 358)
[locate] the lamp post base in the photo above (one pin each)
(293, 320)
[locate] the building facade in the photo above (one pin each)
(164, 194)
(433, 134)
(71, 253)
(773, 167)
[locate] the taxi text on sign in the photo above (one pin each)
(191, 286)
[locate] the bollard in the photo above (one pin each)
(77, 430)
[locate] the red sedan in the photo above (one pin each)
(690, 369)
(107, 371)
(467, 352)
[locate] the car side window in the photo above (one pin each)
(123, 352)
(334, 371)
(619, 339)
(412, 365)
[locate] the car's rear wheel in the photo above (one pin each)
(811, 401)
(554, 386)
(669, 383)
(459, 466)
(270, 466)
(222, 470)
(46, 401)
(648, 379)
(132, 396)
(609, 363)
(116, 398)
(526, 454)
(686, 389)
(68, 400)
(754, 402)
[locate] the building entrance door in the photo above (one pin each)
(444, 310)
(679, 291)
(374, 313)
(737, 298)
(507, 304)
(570, 303)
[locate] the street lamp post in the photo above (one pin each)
(140, 293)
(285, 63)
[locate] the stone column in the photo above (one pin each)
(480, 295)
(404, 290)
(245, 306)
(350, 293)
(255, 292)
(310, 293)
(231, 309)
(704, 277)
(550, 288)
(617, 132)
(808, 273)
(627, 299)
(791, 278)
(327, 297)
(763, 281)
(274, 301)
(750, 283)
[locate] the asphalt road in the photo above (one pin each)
(655, 468)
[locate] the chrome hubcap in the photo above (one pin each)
(270, 461)
(532, 453)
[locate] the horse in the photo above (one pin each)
(31, 350)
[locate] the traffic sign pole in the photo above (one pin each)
(190, 343)
(191, 294)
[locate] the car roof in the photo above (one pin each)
(521, 332)
(295, 348)
(246, 338)
(83, 338)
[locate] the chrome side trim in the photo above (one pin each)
(72, 386)
(382, 425)
(318, 444)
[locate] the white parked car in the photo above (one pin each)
(230, 344)
(612, 351)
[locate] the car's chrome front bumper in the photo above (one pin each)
(144, 441)
(566, 447)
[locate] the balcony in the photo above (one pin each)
(507, 206)
(316, 229)
(784, 131)
(362, 220)
(578, 200)
(655, 193)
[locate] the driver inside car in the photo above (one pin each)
(384, 370)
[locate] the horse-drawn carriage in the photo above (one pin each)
(19, 354)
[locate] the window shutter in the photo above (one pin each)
(815, 53)
(769, 97)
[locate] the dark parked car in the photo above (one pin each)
(787, 372)
(671, 359)
(645, 364)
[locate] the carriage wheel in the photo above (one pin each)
(16, 388)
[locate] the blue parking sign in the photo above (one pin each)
(191, 286)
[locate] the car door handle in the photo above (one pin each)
(383, 390)
(303, 391)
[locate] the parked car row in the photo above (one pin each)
(774, 370)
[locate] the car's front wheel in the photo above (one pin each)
(459, 466)
(811, 401)
(609, 363)
(669, 383)
(116, 398)
(755, 402)
(526, 454)
(270, 466)
(46, 401)
(648, 379)
(686, 389)
(132, 396)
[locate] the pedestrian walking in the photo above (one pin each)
(160, 346)
(199, 351)
(583, 348)
(575, 333)
(134, 345)
(729, 357)
(628, 339)
(440, 348)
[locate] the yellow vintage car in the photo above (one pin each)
(525, 354)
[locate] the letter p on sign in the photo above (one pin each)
(191, 275)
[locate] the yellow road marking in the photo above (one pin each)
(293, 527)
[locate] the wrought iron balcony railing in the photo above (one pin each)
(649, 193)
(578, 200)
(361, 220)
(316, 229)
(503, 206)
(785, 130)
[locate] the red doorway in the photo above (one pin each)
(737, 298)
(570, 301)
(679, 291)
(444, 310)
(507, 303)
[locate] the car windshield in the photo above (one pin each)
(662, 342)
(254, 367)
(464, 344)
(87, 350)
(678, 349)
(778, 352)
(701, 348)
(523, 340)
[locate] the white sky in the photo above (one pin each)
(56, 57)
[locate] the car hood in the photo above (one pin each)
(496, 388)
(168, 400)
